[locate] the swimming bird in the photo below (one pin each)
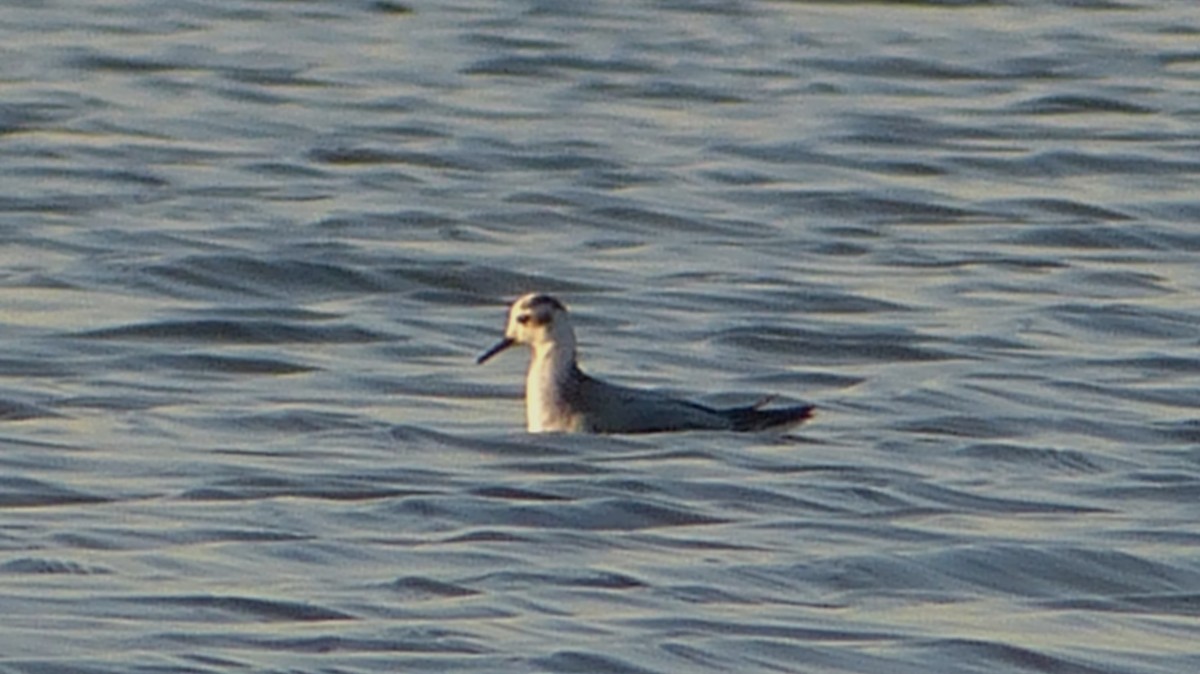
(559, 397)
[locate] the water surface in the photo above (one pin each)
(252, 248)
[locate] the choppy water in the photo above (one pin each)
(251, 248)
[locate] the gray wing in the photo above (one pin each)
(608, 408)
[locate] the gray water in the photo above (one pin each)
(251, 248)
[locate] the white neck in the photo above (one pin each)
(546, 407)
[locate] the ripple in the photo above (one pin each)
(1037, 572)
(16, 410)
(1034, 458)
(22, 492)
(420, 588)
(1059, 104)
(604, 514)
(856, 205)
(552, 66)
(208, 363)
(266, 487)
(1124, 320)
(203, 608)
(575, 662)
(242, 331)
(194, 275)
(821, 346)
(41, 566)
(994, 654)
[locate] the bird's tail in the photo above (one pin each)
(755, 418)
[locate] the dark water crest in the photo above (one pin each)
(251, 248)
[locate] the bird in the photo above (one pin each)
(560, 398)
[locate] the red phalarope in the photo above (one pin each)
(559, 397)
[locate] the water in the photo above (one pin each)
(252, 248)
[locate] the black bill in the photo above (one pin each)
(502, 345)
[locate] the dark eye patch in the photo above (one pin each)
(524, 318)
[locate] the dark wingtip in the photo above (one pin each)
(754, 418)
(799, 414)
